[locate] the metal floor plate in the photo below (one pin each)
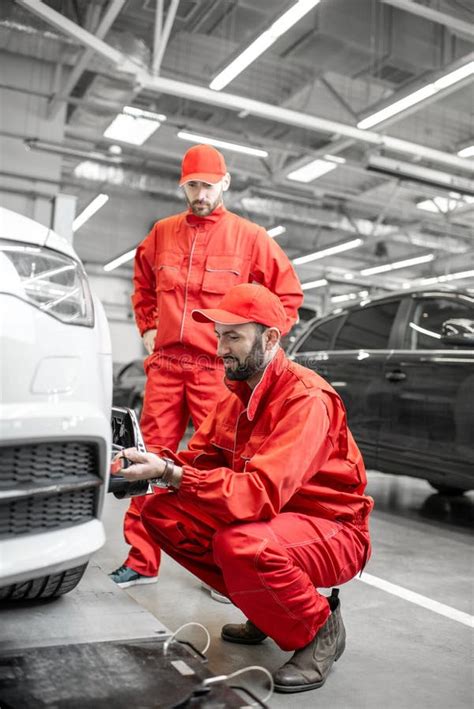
(96, 648)
(118, 674)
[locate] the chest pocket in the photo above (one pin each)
(223, 440)
(221, 273)
(168, 272)
(252, 446)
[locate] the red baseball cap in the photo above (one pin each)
(203, 163)
(247, 302)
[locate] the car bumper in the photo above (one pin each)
(29, 557)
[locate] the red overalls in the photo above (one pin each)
(189, 262)
(271, 503)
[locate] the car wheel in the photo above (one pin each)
(44, 587)
(447, 489)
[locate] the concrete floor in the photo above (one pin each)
(399, 654)
(403, 651)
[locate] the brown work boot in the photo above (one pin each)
(309, 666)
(244, 633)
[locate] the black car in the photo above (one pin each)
(305, 314)
(129, 384)
(404, 366)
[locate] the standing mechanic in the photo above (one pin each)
(189, 261)
(267, 503)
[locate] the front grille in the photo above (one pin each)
(40, 513)
(47, 463)
(47, 486)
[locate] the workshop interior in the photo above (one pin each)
(161, 161)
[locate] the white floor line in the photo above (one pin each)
(417, 598)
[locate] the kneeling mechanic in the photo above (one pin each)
(267, 503)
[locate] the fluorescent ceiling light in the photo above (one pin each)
(89, 211)
(98, 172)
(338, 248)
(397, 264)
(454, 76)
(120, 260)
(335, 158)
(312, 170)
(448, 277)
(349, 296)
(314, 284)
(419, 95)
(236, 147)
(276, 231)
(467, 152)
(262, 43)
(445, 205)
(397, 107)
(133, 125)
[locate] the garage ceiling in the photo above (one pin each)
(302, 99)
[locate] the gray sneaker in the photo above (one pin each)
(309, 666)
(124, 577)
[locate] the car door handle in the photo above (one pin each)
(395, 376)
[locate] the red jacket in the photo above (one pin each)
(285, 447)
(189, 262)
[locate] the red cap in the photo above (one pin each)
(247, 302)
(203, 163)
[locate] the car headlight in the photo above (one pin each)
(49, 280)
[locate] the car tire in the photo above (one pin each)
(447, 489)
(44, 587)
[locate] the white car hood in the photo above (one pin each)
(16, 227)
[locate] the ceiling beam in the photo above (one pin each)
(233, 102)
(296, 119)
(453, 23)
(159, 48)
(337, 96)
(157, 32)
(105, 24)
(81, 35)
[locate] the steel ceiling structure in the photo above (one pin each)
(300, 100)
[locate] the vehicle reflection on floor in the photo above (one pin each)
(414, 499)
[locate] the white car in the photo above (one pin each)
(55, 403)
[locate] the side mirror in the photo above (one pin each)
(458, 331)
(126, 434)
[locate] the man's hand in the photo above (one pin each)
(149, 340)
(144, 465)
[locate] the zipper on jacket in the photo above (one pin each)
(186, 288)
(235, 437)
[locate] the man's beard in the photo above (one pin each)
(254, 363)
(202, 208)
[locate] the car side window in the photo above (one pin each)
(320, 337)
(368, 328)
(424, 329)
